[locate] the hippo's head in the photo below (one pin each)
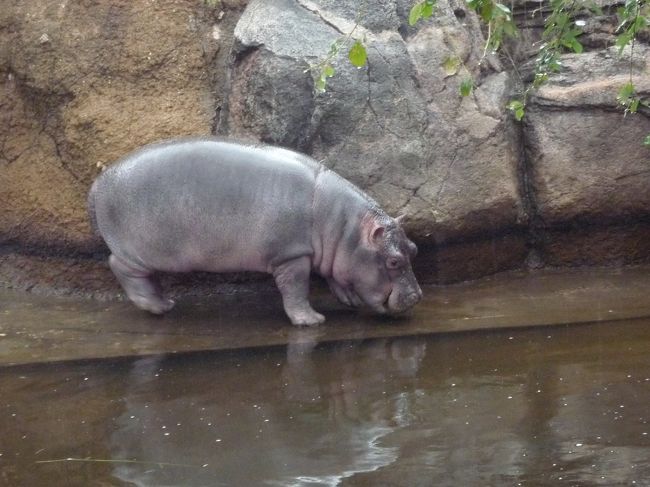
(380, 274)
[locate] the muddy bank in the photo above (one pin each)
(36, 329)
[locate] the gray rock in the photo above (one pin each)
(587, 161)
(278, 117)
(396, 127)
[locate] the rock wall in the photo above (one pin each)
(589, 173)
(481, 193)
(82, 83)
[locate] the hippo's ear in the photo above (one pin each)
(373, 233)
(377, 234)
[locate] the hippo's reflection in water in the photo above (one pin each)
(539, 406)
(304, 410)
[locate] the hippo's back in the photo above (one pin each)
(206, 204)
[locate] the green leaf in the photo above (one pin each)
(504, 10)
(540, 79)
(487, 10)
(357, 54)
(495, 43)
(451, 65)
(562, 20)
(628, 99)
(573, 44)
(646, 141)
(519, 114)
(622, 16)
(328, 71)
(466, 87)
(626, 91)
(427, 10)
(517, 108)
(416, 13)
(320, 84)
(639, 23)
(623, 40)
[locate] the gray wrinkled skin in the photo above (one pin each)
(219, 206)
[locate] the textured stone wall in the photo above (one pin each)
(82, 83)
(481, 192)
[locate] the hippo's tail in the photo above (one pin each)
(91, 209)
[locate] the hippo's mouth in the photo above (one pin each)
(382, 307)
(380, 304)
(399, 302)
(393, 304)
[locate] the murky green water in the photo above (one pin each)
(546, 406)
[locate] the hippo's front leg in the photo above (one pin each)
(292, 279)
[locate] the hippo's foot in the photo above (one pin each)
(153, 304)
(305, 317)
(140, 286)
(292, 279)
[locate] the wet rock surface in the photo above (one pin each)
(44, 329)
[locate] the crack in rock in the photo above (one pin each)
(310, 7)
(340, 24)
(447, 175)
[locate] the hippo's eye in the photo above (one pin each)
(394, 263)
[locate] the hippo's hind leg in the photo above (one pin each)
(140, 286)
(292, 279)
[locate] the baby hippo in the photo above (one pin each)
(219, 206)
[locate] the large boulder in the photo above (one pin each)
(397, 127)
(586, 163)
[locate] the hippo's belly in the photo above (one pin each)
(206, 208)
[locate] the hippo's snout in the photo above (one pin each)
(400, 302)
(413, 298)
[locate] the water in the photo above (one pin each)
(563, 405)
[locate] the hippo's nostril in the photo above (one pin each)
(413, 298)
